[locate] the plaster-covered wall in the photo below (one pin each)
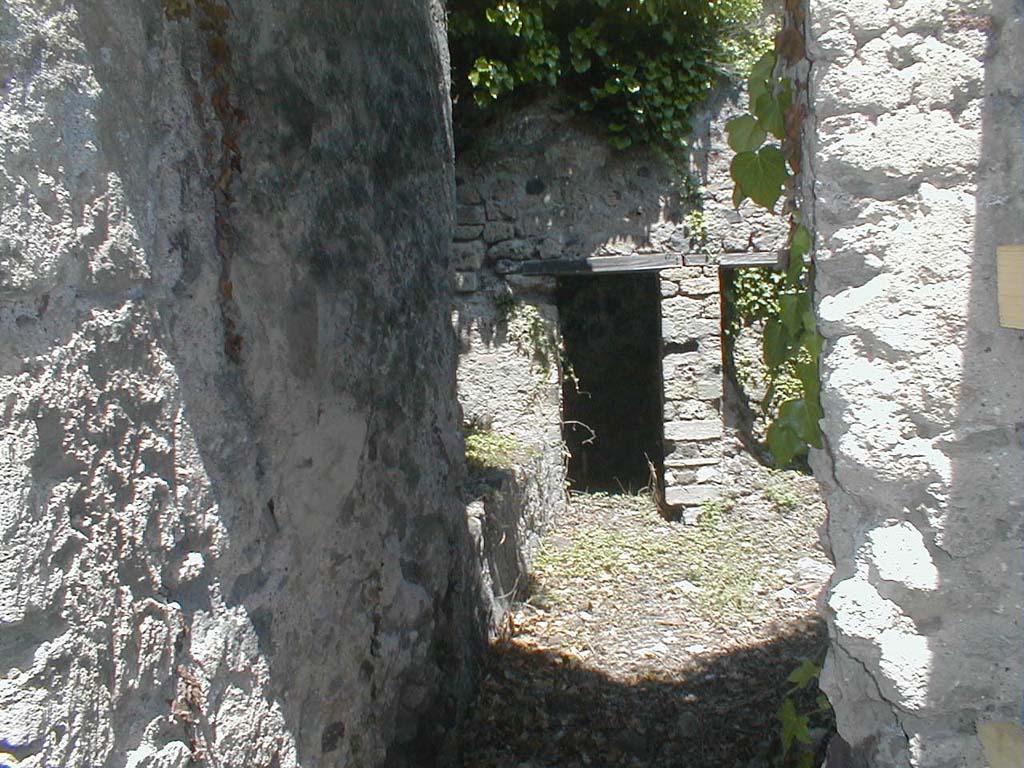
(229, 458)
(917, 160)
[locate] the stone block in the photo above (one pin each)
(711, 307)
(709, 387)
(691, 495)
(699, 286)
(466, 282)
(673, 460)
(514, 250)
(679, 309)
(679, 274)
(680, 476)
(469, 214)
(531, 225)
(687, 410)
(505, 267)
(695, 430)
(467, 194)
(531, 283)
(467, 232)
(500, 211)
(496, 231)
(708, 474)
(679, 330)
(552, 248)
(668, 288)
(468, 255)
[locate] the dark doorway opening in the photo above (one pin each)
(611, 394)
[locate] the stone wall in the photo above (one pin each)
(229, 452)
(540, 185)
(917, 153)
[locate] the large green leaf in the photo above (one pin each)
(801, 419)
(807, 373)
(792, 307)
(761, 174)
(745, 135)
(760, 75)
(771, 114)
(784, 443)
(776, 343)
(805, 674)
(800, 243)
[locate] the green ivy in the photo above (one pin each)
(792, 345)
(640, 66)
(797, 746)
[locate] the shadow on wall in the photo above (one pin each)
(976, 634)
(263, 564)
(931, 623)
(546, 708)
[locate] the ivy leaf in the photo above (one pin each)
(794, 726)
(805, 674)
(620, 141)
(760, 75)
(790, 306)
(813, 341)
(761, 174)
(771, 114)
(776, 343)
(763, 67)
(784, 443)
(807, 373)
(801, 419)
(738, 195)
(801, 241)
(745, 135)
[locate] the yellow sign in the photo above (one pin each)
(1003, 744)
(1010, 277)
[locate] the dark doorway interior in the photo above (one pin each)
(611, 328)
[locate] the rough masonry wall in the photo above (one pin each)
(228, 456)
(917, 157)
(540, 185)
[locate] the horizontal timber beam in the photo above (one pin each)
(602, 264)
(768, 259)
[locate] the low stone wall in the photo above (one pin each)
(917, 159)
(505, 391)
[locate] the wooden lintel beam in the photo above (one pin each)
(644, 262)
(769, 259)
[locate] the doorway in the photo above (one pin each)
(612, 387)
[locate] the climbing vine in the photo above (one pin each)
(639, 66)
(767, 145)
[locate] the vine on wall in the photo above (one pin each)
(767, 142)
(639, 66)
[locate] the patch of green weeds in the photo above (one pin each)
(488, 450)
(783, 496)
(711, 513)
(587, 555)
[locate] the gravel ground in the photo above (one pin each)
(649, 643)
